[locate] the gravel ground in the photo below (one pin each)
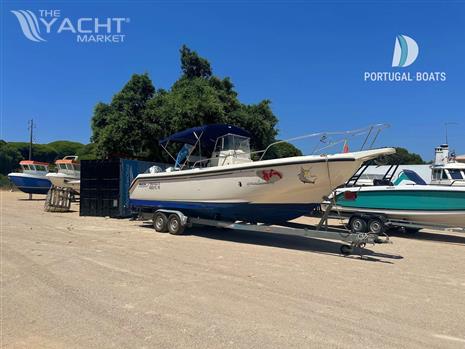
(85, 282)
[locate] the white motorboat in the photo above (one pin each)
(229, 185)
(68, 175)
(32, 179)
(446, 170)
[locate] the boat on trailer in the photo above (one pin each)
(32, 179)
(68, 173)
(406, 202)
(215, 177)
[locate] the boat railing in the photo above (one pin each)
(371, 134)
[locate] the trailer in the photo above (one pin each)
(175, 222)
(378, 223)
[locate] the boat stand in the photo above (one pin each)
(58, 199)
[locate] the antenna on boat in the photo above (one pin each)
(447, 124)
(31, 127)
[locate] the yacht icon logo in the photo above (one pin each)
(29, 25)
(405, 51)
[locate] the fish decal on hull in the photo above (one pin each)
(305, 176)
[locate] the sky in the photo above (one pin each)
(308, 58)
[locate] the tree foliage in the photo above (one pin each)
(10, 156)
(119, 128)
(196, 98)
(282, 150)
(194, 66)
(404, 157)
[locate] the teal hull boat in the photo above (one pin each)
(429, 204)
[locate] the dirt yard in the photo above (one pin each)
(83, 282)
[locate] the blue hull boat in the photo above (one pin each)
(32, 179)
(30, 184)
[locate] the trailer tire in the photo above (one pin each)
(358, 225)
(175, 225)
(346, 250)
(376, 226)
(160, 222)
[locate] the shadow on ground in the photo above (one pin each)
(285, 241)
(445, 237)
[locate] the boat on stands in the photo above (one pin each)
(68, 173)
(215, 176)
(32, 179)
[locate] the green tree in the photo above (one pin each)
(196, 98)
(87, 152)
(404, 157)
(120, 128)
(282, 150)
(9, 157)
(64, 148)
(194, 66)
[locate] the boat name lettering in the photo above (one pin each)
(150, 185)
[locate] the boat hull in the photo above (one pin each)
(270, 191)
(422, 204)
(30, 184)
(64, 181)
(248, 212)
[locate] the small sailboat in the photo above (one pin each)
(32, 179)
(68, 175)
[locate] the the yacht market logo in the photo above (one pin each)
(44, 24)
(405, 54)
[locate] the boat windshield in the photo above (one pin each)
(182, 155)
(455, 174)
(414, 177)
(233, 142)
(41, 168)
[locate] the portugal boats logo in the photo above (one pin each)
(405, 51)
(38, 26)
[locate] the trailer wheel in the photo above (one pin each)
(376, 226)
(159, 222)
(175, 226)
(346, 250)
(358, 225)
